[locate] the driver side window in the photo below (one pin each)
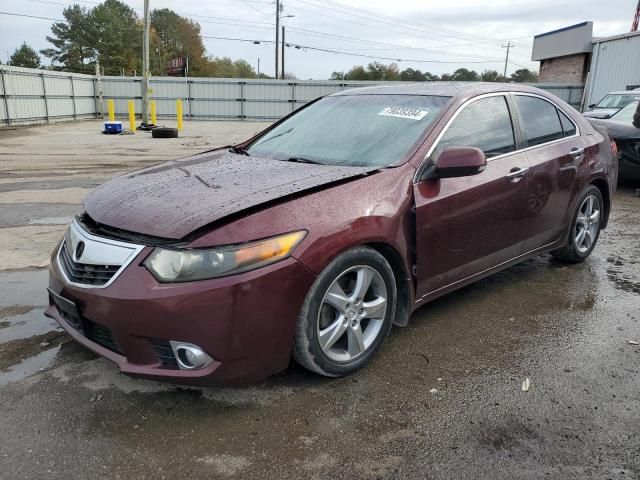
(485, 124)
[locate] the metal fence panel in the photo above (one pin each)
(35, 96)
(85, 107)
(215, 109)
(29, 109)
(83, 87)
(60, 107)
(58, 86)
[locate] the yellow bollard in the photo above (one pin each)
(132, 116)
(112, 110)
(179, 113)
(153, 112)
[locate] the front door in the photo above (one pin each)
(469, 224)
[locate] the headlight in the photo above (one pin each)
(189, 265)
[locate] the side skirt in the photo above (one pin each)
(485, 273)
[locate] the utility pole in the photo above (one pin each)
(99, 92)
(145, 65)
(277, 32)
(508, 46)
(258, 67)
(282, 76)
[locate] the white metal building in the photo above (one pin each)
(615, 65)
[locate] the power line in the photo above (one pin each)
(403, 21)
(353, 54)
(30, 16)
(372, 42)
(421, 34)
(387, 20)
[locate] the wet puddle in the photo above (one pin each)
(29, 341)
(51, 221)
(29, 366)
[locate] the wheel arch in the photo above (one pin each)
(602, 185)
(404, 286)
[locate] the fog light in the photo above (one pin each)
(190, 356)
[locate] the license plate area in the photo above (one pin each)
(67, 309)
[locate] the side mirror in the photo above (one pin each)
(592, 105)
(460, 162)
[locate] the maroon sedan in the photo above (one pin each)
(313, 238)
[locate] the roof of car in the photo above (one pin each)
(445, 89)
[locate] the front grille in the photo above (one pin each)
(83, 272)
(165, 355)
(100, 335)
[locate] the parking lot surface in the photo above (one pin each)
(442, 400)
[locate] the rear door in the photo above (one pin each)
(469, 224)
(554, 151)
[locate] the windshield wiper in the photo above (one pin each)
(304, 160)
(239, 150)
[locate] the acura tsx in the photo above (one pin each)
(311, 239)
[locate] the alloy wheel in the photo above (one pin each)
(587, 224)
(352, 313)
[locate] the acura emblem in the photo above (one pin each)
(79, 250)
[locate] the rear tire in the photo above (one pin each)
(585, 228)
(347, 314)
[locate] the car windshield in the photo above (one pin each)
(626, 114)
(352, 130)
(617, 100)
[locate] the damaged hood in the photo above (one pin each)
(175, 198)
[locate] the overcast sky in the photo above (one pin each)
(420, 32)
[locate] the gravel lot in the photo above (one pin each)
(443, 400)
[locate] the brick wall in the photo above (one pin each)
(568, 69)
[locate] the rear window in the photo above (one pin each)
(539, 119)
(568, 127)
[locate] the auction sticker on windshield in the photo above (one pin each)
(404, 112)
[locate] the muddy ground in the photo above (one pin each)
(442, 400)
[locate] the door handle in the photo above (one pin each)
(577, 153)
(517, 173)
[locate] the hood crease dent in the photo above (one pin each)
(175, 198)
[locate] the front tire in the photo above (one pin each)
(585, 228)
(347, 314)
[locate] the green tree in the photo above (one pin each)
(25, 56)
(379, 71)
(357, 73)
(411, 75)
(244, 69)
(177, 37)
(115, 34)
(493, 76)
(524, 75)
(337, 76)
(465, 75)
(70, 39)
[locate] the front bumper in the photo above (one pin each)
(244, 322)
